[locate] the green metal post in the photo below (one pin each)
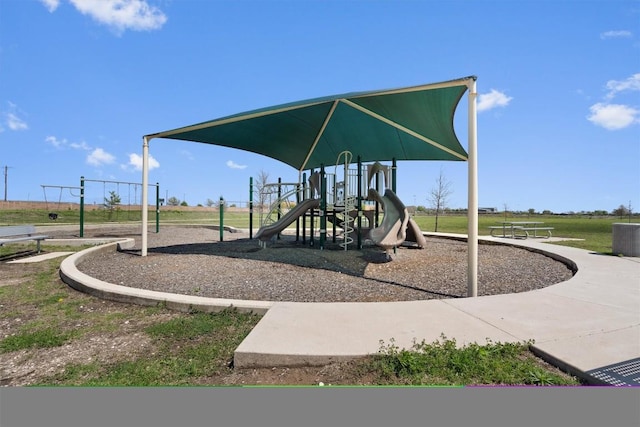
(250, 207)
(298, 219)
(359, 208)
(377, 210)
(221, 207)
(323, 206)
(157, 207)
(304, 216)
(393, 185)
(279, 204)
(82, 206)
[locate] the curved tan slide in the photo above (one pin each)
(393, 230)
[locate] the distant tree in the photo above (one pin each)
(211, 203)
(184, 203)
(439, 195)
(622, 211)
(261, 182)
(531, 211)
(547, 212)
(111, 202)
(173, 201)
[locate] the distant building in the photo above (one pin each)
(487, 210)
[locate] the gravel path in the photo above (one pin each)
(191, 260)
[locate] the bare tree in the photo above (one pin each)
(261, 182)
(439, 195)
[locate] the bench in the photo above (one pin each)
(20, 233)
(534, 229)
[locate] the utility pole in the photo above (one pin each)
(6, 174)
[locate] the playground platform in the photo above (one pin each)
(588, 325)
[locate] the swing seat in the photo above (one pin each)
(53, 215)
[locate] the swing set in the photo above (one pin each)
(53, 214)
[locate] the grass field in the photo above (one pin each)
(595, 233)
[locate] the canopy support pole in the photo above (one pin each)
(472, 209)
(145, 193)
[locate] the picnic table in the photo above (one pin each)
(521, 229)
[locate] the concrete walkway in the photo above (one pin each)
(588, 325)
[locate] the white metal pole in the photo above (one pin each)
(145, 193)
(472, 214)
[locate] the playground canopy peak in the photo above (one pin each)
(411, 123)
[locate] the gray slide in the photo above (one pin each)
(393, 230)
(268, 231)
(414, 234)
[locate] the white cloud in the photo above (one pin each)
(613, 116)
(51, 5)
(121, 15)
(135, 160)
(58, 143)
(233, 165)
(630, 84)
(100, 157)
(493, 99)
(615, 34)
(63, 143)
(12, 119)
(80, 146)
(16, 123)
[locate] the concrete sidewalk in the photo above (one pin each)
(588, 325)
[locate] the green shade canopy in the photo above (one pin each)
(413, 123)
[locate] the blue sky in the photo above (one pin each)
(81, 82)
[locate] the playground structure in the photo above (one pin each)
(409, 123)
(339, 198)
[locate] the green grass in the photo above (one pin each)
(72, 216)
(443, 363)
(42, 338)
(595, 232)
(189, 347)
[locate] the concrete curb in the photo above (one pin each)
(73, 277)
